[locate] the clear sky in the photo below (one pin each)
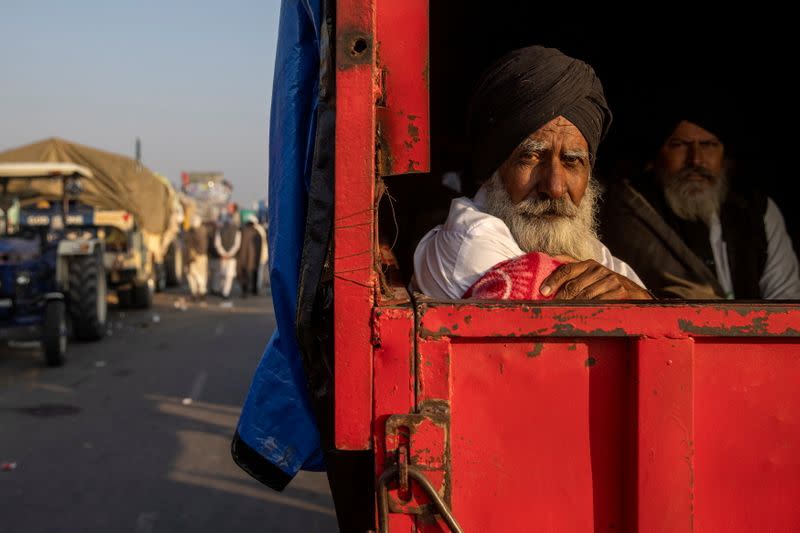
(191, 78)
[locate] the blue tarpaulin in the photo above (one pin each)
(277, 420)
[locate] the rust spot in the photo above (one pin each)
(384, 159)
(502, 368)
(572, 348)
(568, 330)
(353, 47)
(436, 410)
(412, 166)
(537, 349)
(413, 131)
(590, 362)
(455, 327)
(443, 332)
(536, 311)
(468, 319)
(536, 333)
(380, 83)
(758, 326)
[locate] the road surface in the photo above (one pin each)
(133, 433)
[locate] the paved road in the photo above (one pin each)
(133, 433)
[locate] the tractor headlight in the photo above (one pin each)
(23, 279)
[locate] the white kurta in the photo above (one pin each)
(453, 256)
(781, 277)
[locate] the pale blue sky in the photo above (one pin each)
(192, 79)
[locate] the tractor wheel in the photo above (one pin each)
(174, 265)
(54, 338)
(87, 297)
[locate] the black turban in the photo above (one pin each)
(700, 102)
(523, 91)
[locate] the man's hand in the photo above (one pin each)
(589, 280)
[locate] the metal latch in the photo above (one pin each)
(417, 475)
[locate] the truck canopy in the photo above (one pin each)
(42, 170)
(117, 182)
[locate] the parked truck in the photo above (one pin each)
(135, 211)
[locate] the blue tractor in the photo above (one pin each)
(52, 280)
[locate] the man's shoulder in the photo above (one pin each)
(753, 199)
(628, 192)
(467, 226)
(626, 202)
(469, 218)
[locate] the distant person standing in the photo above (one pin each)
(227, 243)
(197, 247)
(212, 228)
(261, 274)
(248, 258)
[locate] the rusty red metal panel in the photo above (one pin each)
(476, 319)
(394, 385)
(403, 116)
(747, 436)
(534, 442)
(354, 280)
(665, 422)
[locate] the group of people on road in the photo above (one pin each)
(220, 253)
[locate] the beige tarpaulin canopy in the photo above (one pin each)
(118, 182)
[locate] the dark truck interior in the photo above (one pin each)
(742, 62)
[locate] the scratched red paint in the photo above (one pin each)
(403, 113)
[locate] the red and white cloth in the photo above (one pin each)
(515, 279)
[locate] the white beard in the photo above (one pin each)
(691, 202)
(555, 227)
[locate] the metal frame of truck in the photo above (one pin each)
(515, 416)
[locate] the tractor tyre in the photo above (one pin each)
(54, 334)
(174, 265)
(87, 297)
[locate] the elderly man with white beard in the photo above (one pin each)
(535, 121)
(684, 229)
